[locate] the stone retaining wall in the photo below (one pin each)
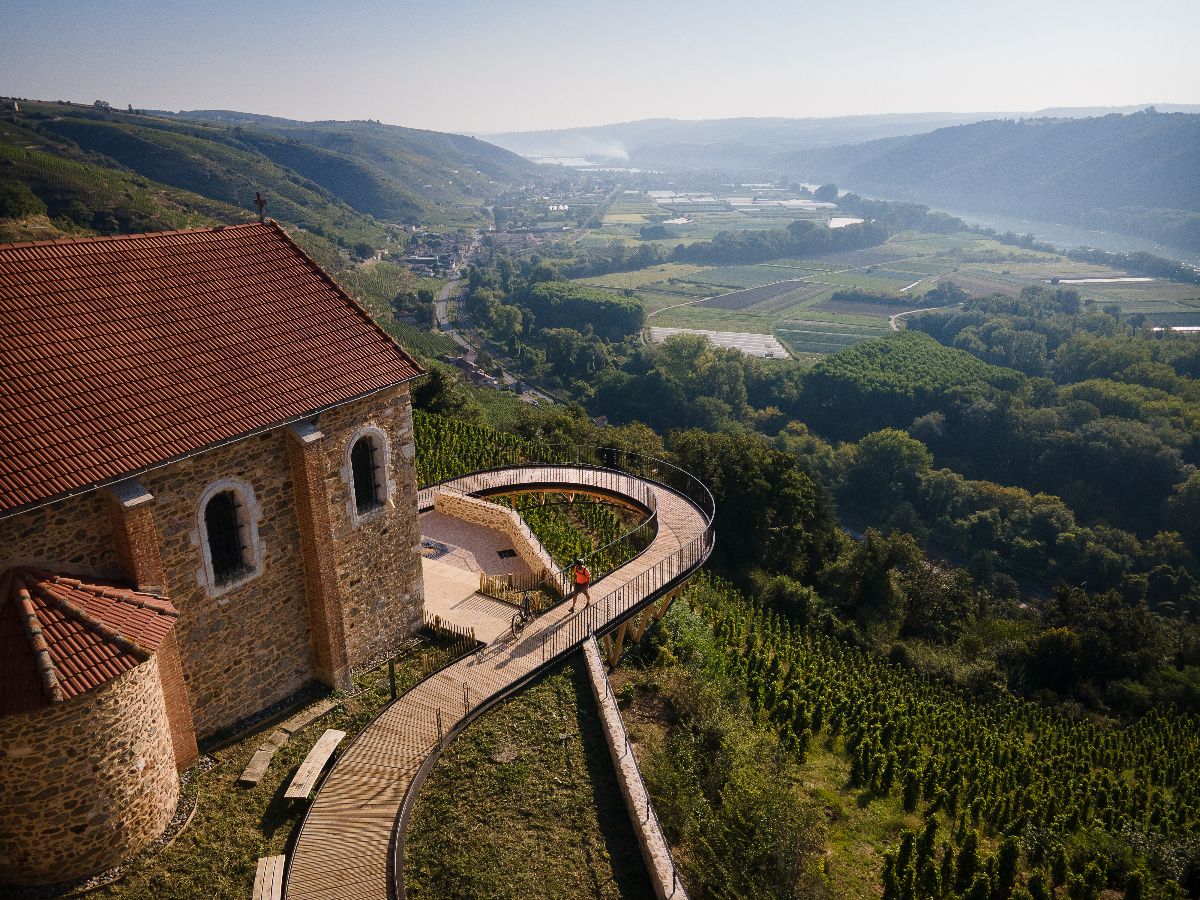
(499, 518)
(87, 783)
(655, 851)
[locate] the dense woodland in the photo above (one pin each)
(1032, 438)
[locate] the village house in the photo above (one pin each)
(207, 503)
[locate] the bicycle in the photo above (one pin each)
(524, 615)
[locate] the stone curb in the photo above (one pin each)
(655, 852)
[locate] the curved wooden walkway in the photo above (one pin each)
(345, 847)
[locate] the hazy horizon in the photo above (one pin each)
(485, 68)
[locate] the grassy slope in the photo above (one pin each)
(342, 179)
(447, 167)
(212, 162)
(525, 804)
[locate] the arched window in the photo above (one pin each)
(227, 518)
(223, 530)
(369, 479)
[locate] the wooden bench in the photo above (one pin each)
(314, 764)
(268, 882)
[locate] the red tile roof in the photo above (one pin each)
(60, 637)
(118, 354)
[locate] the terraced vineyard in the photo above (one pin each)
(427, 343)
(569, 530)
(447, 448)
(1013, 794)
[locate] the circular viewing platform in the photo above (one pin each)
(350, 845)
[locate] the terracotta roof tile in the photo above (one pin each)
(60, 637)
(119, 354)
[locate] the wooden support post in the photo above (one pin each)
(614, 653)
(665, 603)
(640, 624)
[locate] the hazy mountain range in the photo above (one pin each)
(752, 142)
(1116, 169)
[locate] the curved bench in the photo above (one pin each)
(347, 846)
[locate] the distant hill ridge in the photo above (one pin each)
(749, 142)
(1138, 173)
(1132, 169)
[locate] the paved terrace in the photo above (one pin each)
(346, 848)
(455, 552)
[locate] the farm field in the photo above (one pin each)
(812, 340)
(705, 216)
(792, 298)
(762, 345)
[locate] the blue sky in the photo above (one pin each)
(509, 65)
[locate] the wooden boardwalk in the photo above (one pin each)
(345, 849)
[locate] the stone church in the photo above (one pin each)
(207, 502)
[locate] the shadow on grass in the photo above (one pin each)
(629, 870)
(280, 812)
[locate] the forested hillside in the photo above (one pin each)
(111, 171)
(1133, 173)
(431, 167)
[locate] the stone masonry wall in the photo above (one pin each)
(377, 556)
(245, 647)
(71, 537)
(87, 783)
(499, 518)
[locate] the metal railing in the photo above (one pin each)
(601, 616)
(605, 613)
(607, 459)
(557, 581)
(618, 473)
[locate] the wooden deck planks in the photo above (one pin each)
(342, 850)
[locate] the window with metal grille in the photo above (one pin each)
(223, 527)
(364, 462)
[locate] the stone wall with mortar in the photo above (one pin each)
(71, 537)
(86, 783)
(377, 555)
(246, 646)
(499, 518)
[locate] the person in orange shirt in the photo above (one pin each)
(583, 580)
